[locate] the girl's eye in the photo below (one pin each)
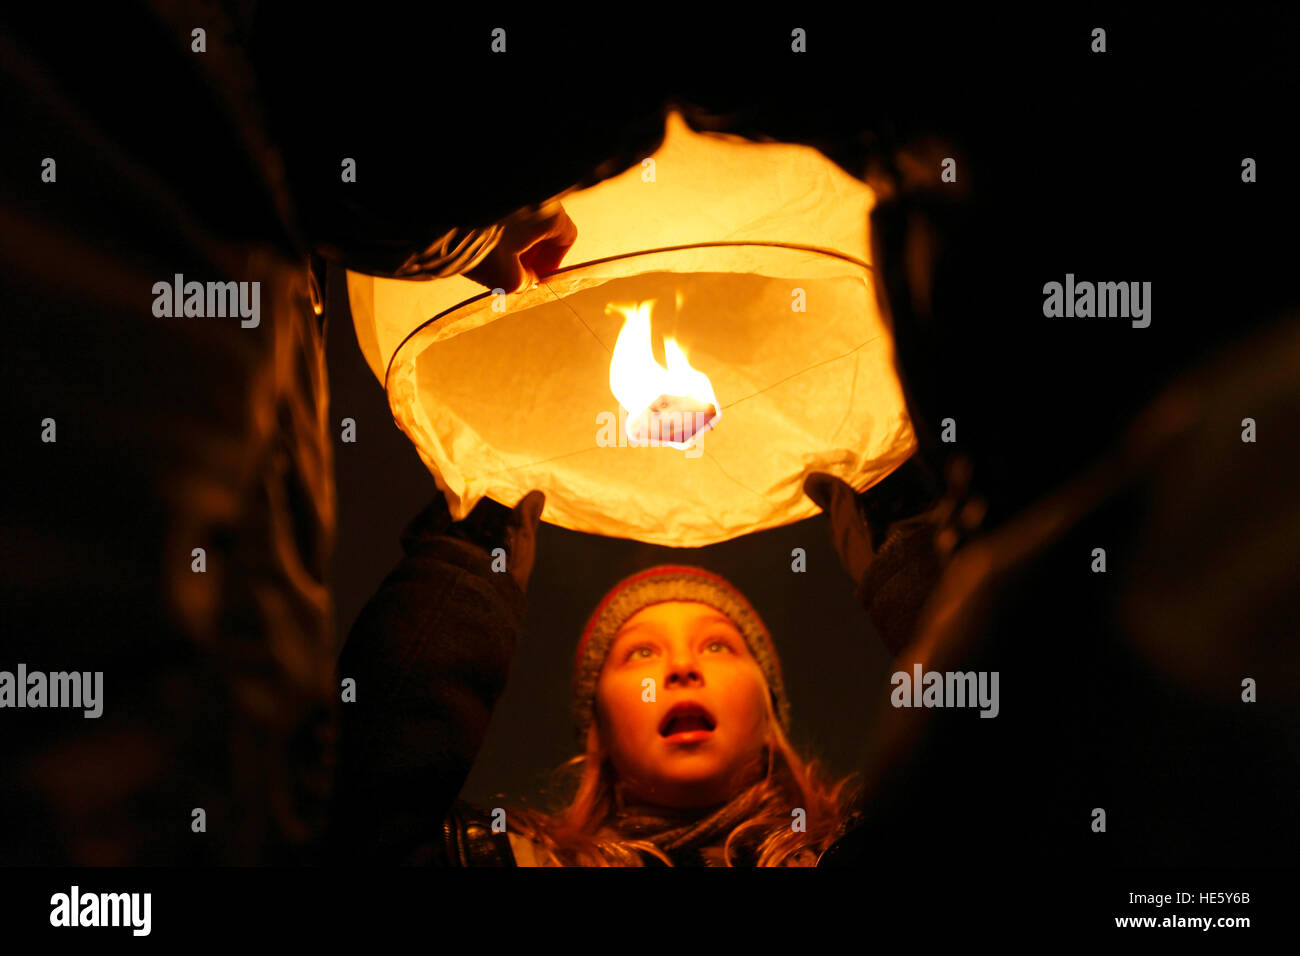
(635, 653)
(718, 644)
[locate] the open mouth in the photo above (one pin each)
(686, 718)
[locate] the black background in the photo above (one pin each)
(1165, 117)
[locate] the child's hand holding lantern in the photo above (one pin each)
(533, 244)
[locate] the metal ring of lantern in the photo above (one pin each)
(628, 255)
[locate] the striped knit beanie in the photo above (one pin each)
(669, 582)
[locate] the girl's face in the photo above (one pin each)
(680, 706)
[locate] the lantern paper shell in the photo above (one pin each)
(755, 257)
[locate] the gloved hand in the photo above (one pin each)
(489, 525)
(533, 244)
(863, 523)
(849, 530)
(521, 536)
(885, 539)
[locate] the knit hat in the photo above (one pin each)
(669, 582)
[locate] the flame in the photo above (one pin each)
(676, 401)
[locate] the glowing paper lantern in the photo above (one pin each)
(746, 263)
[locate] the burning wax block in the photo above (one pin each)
(676, 403)
(672, 418)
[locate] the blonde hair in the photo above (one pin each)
(759, 819)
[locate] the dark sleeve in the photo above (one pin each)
(900, 515)
(429, 653)
(173, 530)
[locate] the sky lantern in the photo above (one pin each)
(711, 338)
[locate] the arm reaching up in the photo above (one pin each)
(430, 654)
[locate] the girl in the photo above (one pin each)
(680, 706)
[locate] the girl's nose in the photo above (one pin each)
(683, 674)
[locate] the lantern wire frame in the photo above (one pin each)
(595, 262)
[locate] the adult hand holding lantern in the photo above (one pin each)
(887, 540)
(533, 243)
